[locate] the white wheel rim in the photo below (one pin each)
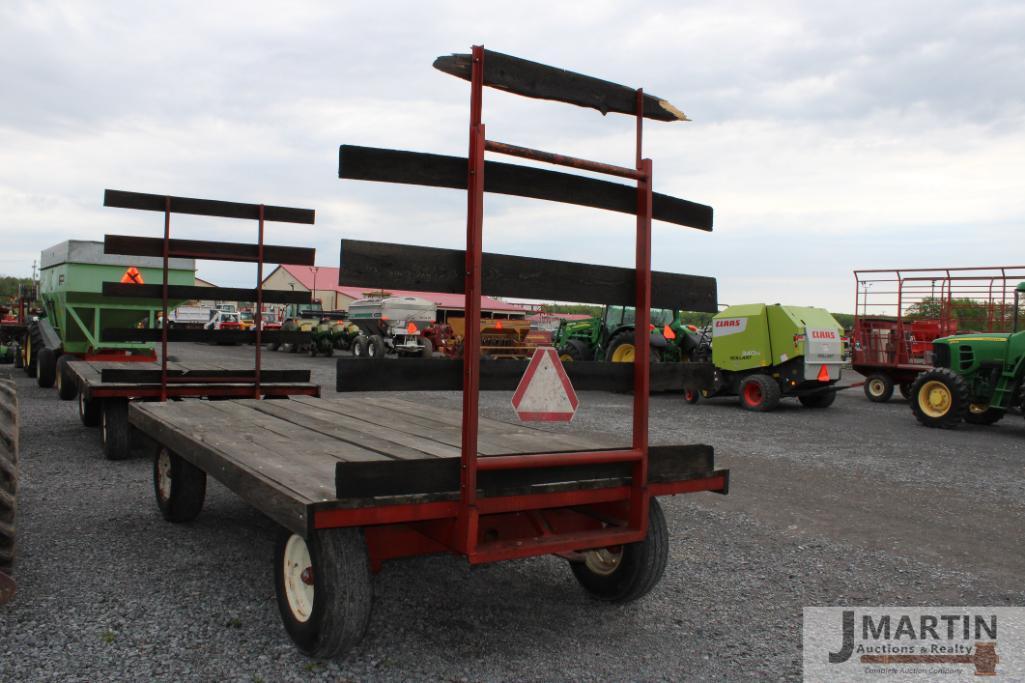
(164, 475)
(58, 382)
(298, 578)
(103, 426)
(603, 561)
(81, 405)
(877, 387)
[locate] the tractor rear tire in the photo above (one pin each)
(180, 486)
(822, 399)
(46, 368)
(67, 389)
(621, 348)
(626, 572)
(115, 431)
(940, 398)
(878, 387)
(759, 393)
(8, 484)
(89, 410)
(428, 349)
(573, 350)
(28, 355)
(375, 346)
(982, 415)
(18, 361)
(323, 588)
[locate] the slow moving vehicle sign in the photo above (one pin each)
(545, 393)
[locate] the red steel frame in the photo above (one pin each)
(535, 523)
(900, 288)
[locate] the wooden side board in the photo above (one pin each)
(201, 249)
(132, 334)
(188, 292)
(205, 207)
(430, 269)
(437, 170)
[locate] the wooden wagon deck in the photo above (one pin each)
(106, 379)
(296, 458)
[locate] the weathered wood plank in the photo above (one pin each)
(444, 374)
(540, 81)
(206, 207)
(430, 269)
(207, 250)
(437, 170)
(152, 376)
(441, 475)
(187, 292)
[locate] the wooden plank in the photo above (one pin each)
(206, 207)
(437, 170)
(386, 443)
(441, 475)
(131, 334)
(151, 376)
(187, 292)
(540, 81)
(207, 250)
(444, 374)
(430, 269)
(532, 437)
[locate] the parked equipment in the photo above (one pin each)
(977, 378)
(900, 313)
(392, 324)
(763, 352)
(500, 338)
(611, 337)
(78, 309)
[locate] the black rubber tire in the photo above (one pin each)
(691, 395)
(768, 393)
(621, 339)
(181, 497)
(8, 485)
(46, 367)
(428, 349)
(959, 398)
(67, 388)
(375, 346)
(822, 399)
(878, 387)
(89, 411)
(573, 350)
(275, 346)
(359, 348)
(28, 355)
(905, 389)
(640, 567)
(985, 418)
(18, 362)
(342, 592)
(115, 432)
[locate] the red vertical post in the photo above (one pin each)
(899, 357)
(258, 315)
(642, 332)
(467, 528)
(165, 323)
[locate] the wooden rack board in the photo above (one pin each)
(105, 379)
(293, 458)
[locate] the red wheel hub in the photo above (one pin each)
(752, 394)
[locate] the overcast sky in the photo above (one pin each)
(827, 136)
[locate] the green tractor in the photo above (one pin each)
(976, 378)
(764, 352)
(611, 337)
(334, 331)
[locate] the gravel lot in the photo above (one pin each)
(853, 505)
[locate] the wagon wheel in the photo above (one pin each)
(323, 589)
(115, 432)
(89, 410)
(8, 484)
(878, 387)
(626, 572)
(66, 387)
(180, 486)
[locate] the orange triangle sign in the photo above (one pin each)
(823, 374)
(132, 276)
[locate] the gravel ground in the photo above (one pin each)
(853, 505)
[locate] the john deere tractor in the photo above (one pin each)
(611, 337)
(977, 378)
